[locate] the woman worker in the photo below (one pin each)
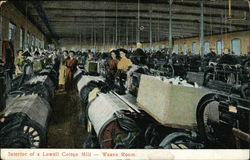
(122, 66)
(71, 69)
(19, 62)
(124, 62)
(112, 67)
(62, 71)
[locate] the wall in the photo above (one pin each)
(10, 13)
(109, 47)
(243, 36)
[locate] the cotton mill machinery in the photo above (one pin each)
(24, 121)
(186, 116)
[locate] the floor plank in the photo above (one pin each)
(66, 129)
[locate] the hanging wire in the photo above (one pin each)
(158, 30)
(170, 25)
(225, 21)
(119, 35)
(211, 26)
(104, 25)
(221, 33)
(1, 21)
(75, 26)
(116, 23)
(113, 36)
(26, 25)
(127, 23)
(92, 33)
(138, 22)
(94, 27)
(155, 32)
(132, 32)
(78, 32)
(158, 27)
(150, 28)
(229, 14)
(126, 32)
(80, 39)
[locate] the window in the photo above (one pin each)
(219, 47)
(21, 38)
(64, 49)
(39, 43)
(36, 41)
(28, 39)
(33, 40)
(176, 48)
(102, 50)
(206, 47)
(157, 48)
(194, 49)
(42, 44)
(12, 29)
(236, 46)
(92, 50)
(184, 48)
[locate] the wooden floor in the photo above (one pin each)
(66, 129)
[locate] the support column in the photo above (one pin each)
(1, 29)
(116, 24)
(92, 34)
(138, 23)
(132, 32)
(202, 28)
(170, 26)
(104, 26)
(126, 32)
(158, 30)
(104, 33)
(80, 39)
(119, 36)
(150, 28)
(156, 33)
(113, 37)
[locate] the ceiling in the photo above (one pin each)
(104, 22)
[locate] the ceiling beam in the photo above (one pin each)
(41, 12)
(92, 4)
(21, 7)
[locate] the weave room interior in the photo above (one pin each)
(125, 74)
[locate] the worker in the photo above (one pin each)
(227, 58)
(139, 57)
(189, 53)
(62, 71)
(90, 56)
(211, 54)
(9, 62)
(71, 69)
(90, 67)
(124, 62)
(28, 67)
(112, 67)
(19, 62)
(56, 59)
(122, 66)
(248, 54)
(37, 62)
(113, 62)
